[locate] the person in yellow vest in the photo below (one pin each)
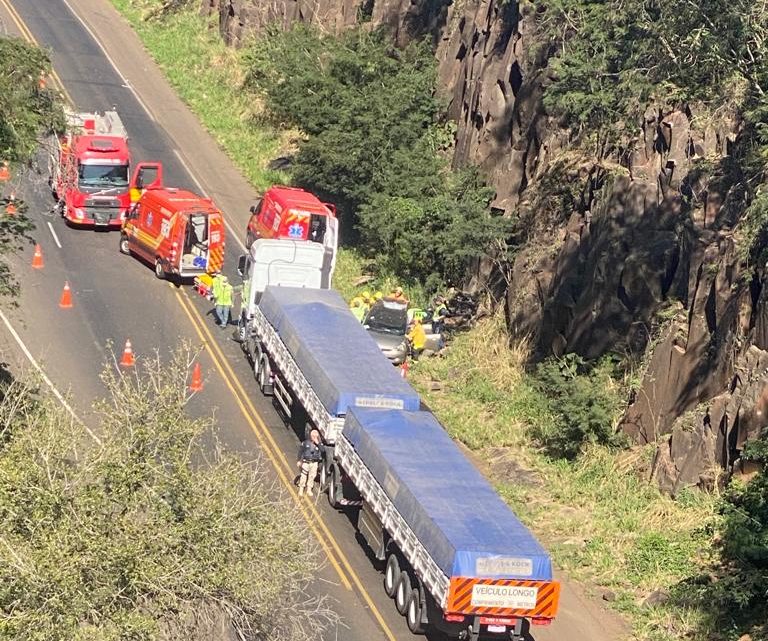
(378, 296)
(357, 308)
(417, 338)
(224, 302)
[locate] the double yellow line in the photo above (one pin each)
(27, 35)
(338, 560)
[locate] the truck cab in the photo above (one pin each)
(177, 231)
(294, 214)
(91, 174)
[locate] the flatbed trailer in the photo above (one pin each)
(309, 351)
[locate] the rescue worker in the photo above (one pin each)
(309, 458)
(224, 301)
(367, 299)
(417, 338)
(398, 295)
(357, 308)
(439, 314)
(378, 296)
(5, 172)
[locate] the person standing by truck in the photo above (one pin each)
(309, 457)
(224, 301)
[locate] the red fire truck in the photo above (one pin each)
(91, 173)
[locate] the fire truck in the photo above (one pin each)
(90, 174)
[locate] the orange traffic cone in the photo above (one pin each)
(66, 297)
(128, 360)
(37, 259)
(197, 379)
(5, 173)
(404, 369)
(10, 206)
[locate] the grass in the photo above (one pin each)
(602, 523)
(208, 76)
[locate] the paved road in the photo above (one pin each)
(116, 297)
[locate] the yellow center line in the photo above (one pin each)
(27, 35)
(274, 452)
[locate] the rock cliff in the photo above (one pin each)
(637, 256)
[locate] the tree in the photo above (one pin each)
(143, 532)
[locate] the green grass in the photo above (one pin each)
(208, 76)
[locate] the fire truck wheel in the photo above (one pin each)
(413, 612)
(391, 574)
(124, 246)
(159, 271)
(402, 590)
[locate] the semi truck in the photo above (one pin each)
(454, 556)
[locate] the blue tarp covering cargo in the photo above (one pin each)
(455, 513)
(342, 363)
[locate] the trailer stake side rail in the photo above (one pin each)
(330, 426)
(432, 576)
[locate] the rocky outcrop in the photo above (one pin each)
(641, 258)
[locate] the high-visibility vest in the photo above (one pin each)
(359, 312)
(216, 287)
(418, 336)
(225, 295)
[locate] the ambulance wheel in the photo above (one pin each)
(391, 573)
(413, 612)
(125, 247)
(402, 590)
(159, 271)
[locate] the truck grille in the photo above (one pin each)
(101, 203)
(103, 215)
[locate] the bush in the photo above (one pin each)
(141, 532)
(586, 401)
(373, 139)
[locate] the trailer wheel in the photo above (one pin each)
(334, 488)
(159, 271)
(402, 591)
(391, 574)
(125, 247)
(413, 612)
(262, 376)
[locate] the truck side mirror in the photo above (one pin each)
(252, 209)
(241, 265)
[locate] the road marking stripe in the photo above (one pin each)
(53, 233)
(111, 62)
(45, 378)
(230, 229)
(27, 35)
(200, 325)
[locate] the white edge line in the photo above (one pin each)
(111, 61)
(53, 233)
(230, 229)
(45, 378)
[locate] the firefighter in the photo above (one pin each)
(5, 172)
(417, 338)
(439, 314)
(378, 296)
(398, 295)
(358, 309)
(309, 458)
(224, 301)
(367, 299)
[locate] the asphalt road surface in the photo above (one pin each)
(101, 65)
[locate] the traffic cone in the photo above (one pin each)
(10, 207)
(37, 259)
(5, 173)
(197, 379)
(128, 360)
(404, 369)
(66, 297)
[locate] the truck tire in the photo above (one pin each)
(262, 376)
(249, 239)
(391, 574)
(402, 591)
(125, 247)
(159, 271)
(413, 612)
(334, 488)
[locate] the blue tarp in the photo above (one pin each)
(341, 361)
(455, 513)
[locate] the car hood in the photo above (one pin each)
(387, 341)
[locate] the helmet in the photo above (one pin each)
(378, 296)
(356, 301)
(398, 290)
(224, 279)
(366, 295)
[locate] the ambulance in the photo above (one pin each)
(293, 214)
(177, 231)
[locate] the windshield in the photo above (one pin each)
(388, 318)
(103, 175)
